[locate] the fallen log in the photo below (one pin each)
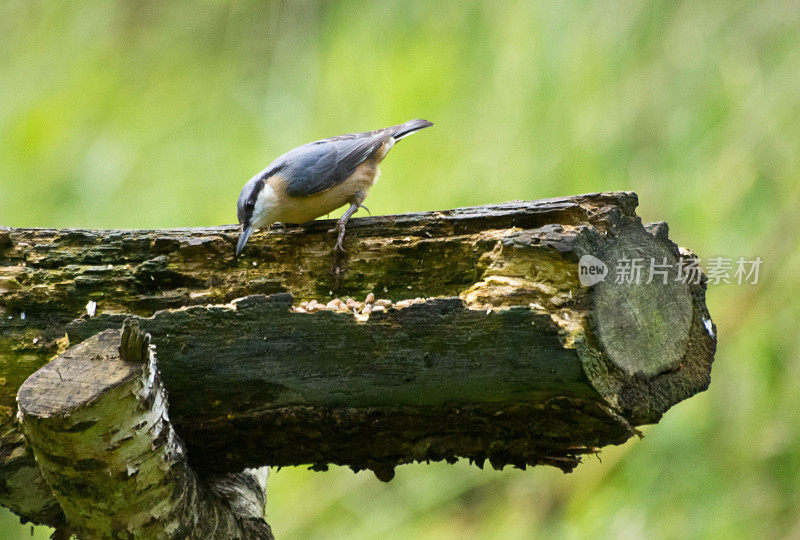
(483, 342)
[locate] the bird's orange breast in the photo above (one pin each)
(304, 209)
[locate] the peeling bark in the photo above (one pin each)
(96, 419)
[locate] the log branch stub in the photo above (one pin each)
(99, 428)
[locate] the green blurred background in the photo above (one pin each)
(153, 115)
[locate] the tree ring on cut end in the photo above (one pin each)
(644, 327)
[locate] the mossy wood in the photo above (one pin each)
(491, 349)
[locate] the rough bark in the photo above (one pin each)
(96, 419)
(504, 355)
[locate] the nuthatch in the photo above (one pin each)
(317, 178)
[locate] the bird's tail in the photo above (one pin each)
(403, 130)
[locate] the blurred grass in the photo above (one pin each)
(155, 114)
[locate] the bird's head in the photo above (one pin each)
(254, 208)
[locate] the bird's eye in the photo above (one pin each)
(250, 205)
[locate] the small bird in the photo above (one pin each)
(317, 178)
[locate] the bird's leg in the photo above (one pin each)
(355, 204)
(340, 227)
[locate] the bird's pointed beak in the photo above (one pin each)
(247, 230)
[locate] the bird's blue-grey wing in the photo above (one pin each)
(320, 165)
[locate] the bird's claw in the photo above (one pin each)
(339, 247)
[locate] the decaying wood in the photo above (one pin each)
(96, 419)
(22, 487)
(482, 343)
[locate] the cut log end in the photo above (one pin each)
(79, 376)
(649, 324)
(643, 308)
